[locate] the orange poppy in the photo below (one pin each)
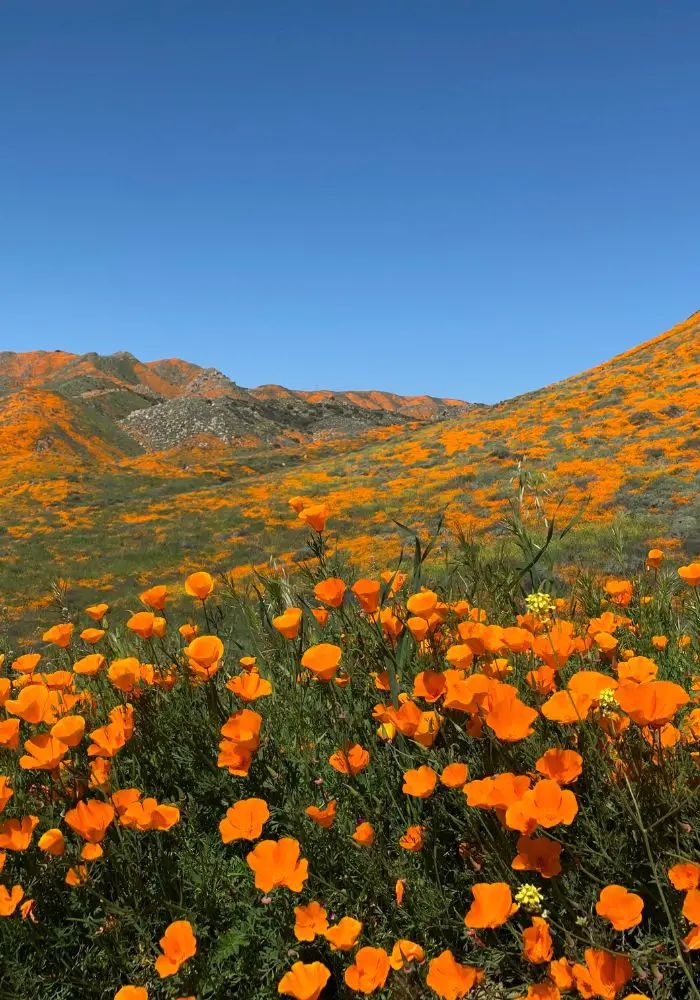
(44, 753)
(567, 706)
(454, 775)
(131, 993)
(244, 820)
(638, 669)
(155, 597)
(33, 704)
(330, 591)
(343, 935)
(369, 971)
(97, 611)
(10, 899)
(234, 758)
(430, 685)
(125, 673)
(76, 875)
(249, 686)
(537, 942)
(288, 623)
(322, 660)
(178, 944)
(59, 635)
(404, 953)
(204, 654)
(685, 876)
(145, 624)
(9, 733)
(322, 817)
(419, 782)
(653, 703)
(52, 842)
(654, 558)
(413, 839)
(691, 906)
(107, 740)
(92, 635)
(304, 981)
(199, 585)
(493, 905)
(148, 814)
(350, 761)
(562, 766)
(423, 604)
(603, 975)
(364, 834)
(622, 908)
(277, 863)
(90, 665)
(399, 891)
(449, 978)
(310, 921)
(538, 854)
(321, 615)
(367, 593)
(459, 657)
(243, 729)
(16, 834)
(27, 663)
(315, 516)
(90, 819)
(509, 718)
(690, 574)
(6, 792)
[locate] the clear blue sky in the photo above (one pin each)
(463, 197)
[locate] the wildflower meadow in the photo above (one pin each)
(472, 772)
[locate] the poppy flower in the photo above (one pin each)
(148, 814)
(418, 627)
(10, 899)
(404, 953)
(76, 875)
(638, 669)
(9, 733)
(619, 591)
(107, 740)
(343, 935)
(567, 706)
(561, 973)
(399, 891)
(330, 591)
(244, 820)
(493, 905)
(543, 991)
(509, 718)
(419, 782)
(538, 854)
(92, 635)
(454, 775)
(459, 656)
(16, 834)
(52, 842)
(155, 597)
(69, 730)
(234, 758)
(44, 753)
(654, 558)
(90, 665)
(90, 819)
(27, 663)
(145, 624)
(622, 908)
(690, 574)
(125, 673)
(131, 993)
(603, 975)
(315, 516)
(289, 623)
(422, 605)
(97, 611)
(350, 761)
(59, 635)
(413, 839)
(562, 766)
(685, 876)
(33, 704)
(321, 615)
(537, 942)
(304, 981)
(364, 834)
(449, 978)
(551, 804)
(204, 654)
(178, 944)
(652, 704)
(243, 729)
(188, 631)
(369, 971)
(298, 503)
(323, 817)
(310, 921)
(322, 660)
(367, 593)
(199, 585)
(277, 863)
(430, 685)
(249, 686)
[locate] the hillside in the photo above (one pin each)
(82, 486)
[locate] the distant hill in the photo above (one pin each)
(116, 473)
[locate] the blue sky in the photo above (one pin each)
(466, 198)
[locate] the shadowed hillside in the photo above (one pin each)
(624, 437)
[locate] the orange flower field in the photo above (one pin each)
(452, 778)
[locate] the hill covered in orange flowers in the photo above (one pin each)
(117, 472)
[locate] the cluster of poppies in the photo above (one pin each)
(444, 669)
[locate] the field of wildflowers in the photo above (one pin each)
(462, 776)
